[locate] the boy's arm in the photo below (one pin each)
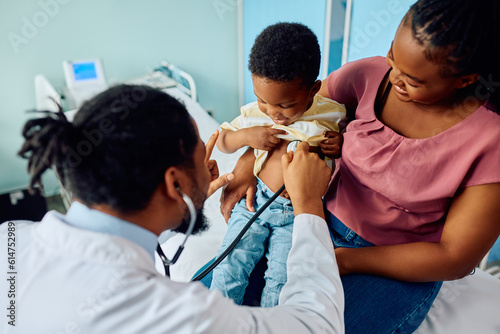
(258, 137)
(231, 141)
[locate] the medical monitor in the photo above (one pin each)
(84, 73)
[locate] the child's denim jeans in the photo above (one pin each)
(270, 234)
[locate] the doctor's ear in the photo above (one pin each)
(172, 183)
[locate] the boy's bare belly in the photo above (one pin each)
(272, 172)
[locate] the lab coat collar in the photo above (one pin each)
(81, 216)
(55, 233)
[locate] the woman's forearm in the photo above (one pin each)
(413, 262)
(471, 228)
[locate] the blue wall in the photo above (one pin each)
(258, 14)
(130, 36)
(373, 25)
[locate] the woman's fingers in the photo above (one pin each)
(251, 198)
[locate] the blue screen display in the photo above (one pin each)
(84, 71)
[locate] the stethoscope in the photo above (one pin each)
(192, 219)
(292, 146)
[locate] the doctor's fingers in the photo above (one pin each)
(209, 146)
(305, 173)
(219, 183)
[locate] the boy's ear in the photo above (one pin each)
(315, 88)
(467, 80)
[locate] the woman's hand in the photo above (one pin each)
(332, 146)
(216, 181)
(244, 183)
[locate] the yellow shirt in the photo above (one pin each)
(323, 115)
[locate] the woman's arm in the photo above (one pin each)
(323, 91)
(242, 184)
(471, 228)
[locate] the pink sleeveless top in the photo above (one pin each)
(390, 189)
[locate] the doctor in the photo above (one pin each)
(133, 161)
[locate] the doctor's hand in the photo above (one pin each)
(306, 179)
(216, 181)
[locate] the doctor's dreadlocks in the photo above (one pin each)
(463, 37)
(116, 150)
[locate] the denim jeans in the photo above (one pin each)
(269, 235)
(375, 304)
(495, 252)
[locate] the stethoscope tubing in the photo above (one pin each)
(238, 237)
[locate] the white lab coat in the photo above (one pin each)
(71, 280)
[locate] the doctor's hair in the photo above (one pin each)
(462, 37)
(117, 148)
(285, 52)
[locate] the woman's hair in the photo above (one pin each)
(463, 37)
(284, 52)
(116, 150)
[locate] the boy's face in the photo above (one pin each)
(284, 102)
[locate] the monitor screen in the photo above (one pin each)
(84, 71)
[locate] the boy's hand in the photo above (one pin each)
(332, 145)
(263, 137)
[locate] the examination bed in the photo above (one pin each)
(469, 305)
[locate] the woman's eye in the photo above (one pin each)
(411, 84)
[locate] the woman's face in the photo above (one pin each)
(413, 77)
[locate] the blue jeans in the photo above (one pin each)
(375, 304)
(269, 235)
(495, 252)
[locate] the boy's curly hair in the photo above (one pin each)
(284, 52)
